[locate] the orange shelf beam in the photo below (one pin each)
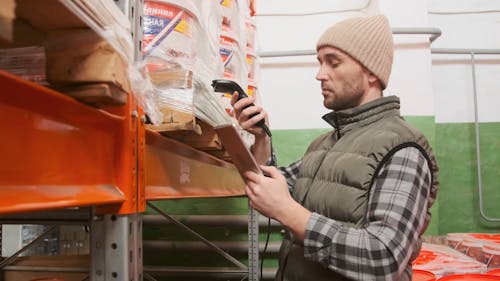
(176, 170)
(57, 152)
(18, 198)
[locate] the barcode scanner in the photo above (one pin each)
(228, 86)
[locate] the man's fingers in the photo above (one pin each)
(251, 177)
(271, 171)
(234, 98)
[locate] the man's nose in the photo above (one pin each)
(321, 74)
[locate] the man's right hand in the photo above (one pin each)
(261, 149)
(243, 113)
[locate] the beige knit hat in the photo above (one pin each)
(366, 39)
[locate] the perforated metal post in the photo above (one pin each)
(116, 248)
(253, 245)
(133, 10)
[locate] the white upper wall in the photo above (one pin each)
(287, 85)
(466, 25)
(293, 98)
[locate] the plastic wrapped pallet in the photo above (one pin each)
(82, 64)
(180, 54)
(7, 16)
(88, 47)
(442, 261)
(26, 62)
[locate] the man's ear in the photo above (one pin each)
(372, 78)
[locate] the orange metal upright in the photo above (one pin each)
(57, 152)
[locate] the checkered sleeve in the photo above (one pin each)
(290, 172)
(381, 249)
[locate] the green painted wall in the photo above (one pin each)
(456, 209)
(290, 145)
(458, 195)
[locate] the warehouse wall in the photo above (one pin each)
(455, 113)
(435, 90)
(436, 94)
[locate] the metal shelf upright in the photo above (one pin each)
(60, 155)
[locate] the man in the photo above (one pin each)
(356, 204)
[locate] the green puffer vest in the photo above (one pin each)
(338, 170)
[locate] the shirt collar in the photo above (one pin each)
(365, 114)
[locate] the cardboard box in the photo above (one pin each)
(7, 16)
(174, 120)
(207, 140)
(96, 94)
(47, 15)
(78, 56)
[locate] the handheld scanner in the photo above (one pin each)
(228, 86)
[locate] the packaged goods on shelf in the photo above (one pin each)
(230, 14)
(443, 260)
(237, 58)
(81, 58)
(233, 59)
(207, 140)
(483, 247)
(474, 248)
(169, 34)
(233, 41)
(180, 54)
(250, 29)
(491, 253)
(88, 47)
(26, 62)
(251, 6)
(251, 62)
(189, 108)
(104, 17)
(454, 240)
(7, 15)
(252, 90)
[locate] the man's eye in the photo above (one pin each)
(334, 64)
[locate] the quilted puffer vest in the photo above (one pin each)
(339, 168)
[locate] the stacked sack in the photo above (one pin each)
(185, 46)
(181, 57)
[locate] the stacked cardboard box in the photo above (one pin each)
(7, 16)
(79, 62)
(84, 65)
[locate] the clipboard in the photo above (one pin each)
(241, 156)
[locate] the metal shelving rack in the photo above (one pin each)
(65, 162)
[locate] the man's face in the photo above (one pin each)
(344, 81)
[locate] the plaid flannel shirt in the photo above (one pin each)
(396, 210)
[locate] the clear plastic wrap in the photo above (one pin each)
(234, 59)
(144, 91)
(77, 56)
(181, 57)
(26, 62)
(106, 19)
(442, 260)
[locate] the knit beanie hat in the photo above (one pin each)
(366, 39)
